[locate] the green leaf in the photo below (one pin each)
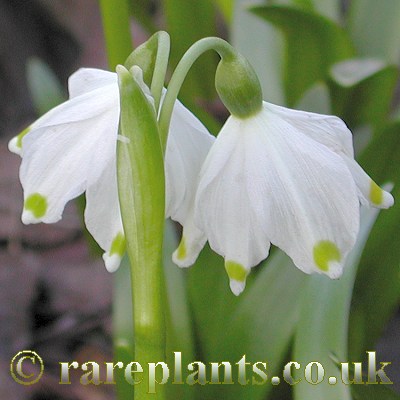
(365, 391)
(116, 26)
(313, 42)
(377, 288)
(374, 28)
(226, 7)
(323, 326)
(44, 87)
(179, 324)
(305, 4)
(328, 8)
(362, 91)
(261, 44)
(373, 392)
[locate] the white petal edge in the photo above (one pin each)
(370, 194)
(328, 130)
(192, 242)
(88, 79)
(83, 107)
(188, 145)
(103, 216)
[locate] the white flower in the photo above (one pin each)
(288, 178)
(72, 149)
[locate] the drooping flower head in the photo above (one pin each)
(72, 149)
(280, 176)
(288, 178)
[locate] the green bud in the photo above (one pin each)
(238, 86)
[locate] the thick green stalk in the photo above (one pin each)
(116, 25)
(141, 185)
(137, 285)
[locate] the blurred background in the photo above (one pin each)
(55, 296)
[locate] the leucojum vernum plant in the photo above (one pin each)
(272, 175)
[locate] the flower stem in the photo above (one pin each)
(223, 48)
(160, 68)
(116, 24)
(144, 248)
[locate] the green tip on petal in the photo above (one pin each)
(325, 253)
(112, 259)
(21, 136)
(35, 206)
(118, 245)
(375, 194)
(181, 251)
(186, 253)
(15, 144)
(237, 274)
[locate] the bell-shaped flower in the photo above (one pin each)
(72, 149)
(288, 178)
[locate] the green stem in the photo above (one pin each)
(223, 48)
(116, 25)
(123, 336)
(141, 186)
(160, 68)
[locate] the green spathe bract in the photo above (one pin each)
(152, 58)
(145, 57)
(141, 185)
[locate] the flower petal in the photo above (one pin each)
(192, 242)
(94, 98)
(87, 127)
(369, 192)
(333, 133)
(328, 130)
(103, 216)
(87, 79)
(265, 181)
(225, 208)
(187, 147)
